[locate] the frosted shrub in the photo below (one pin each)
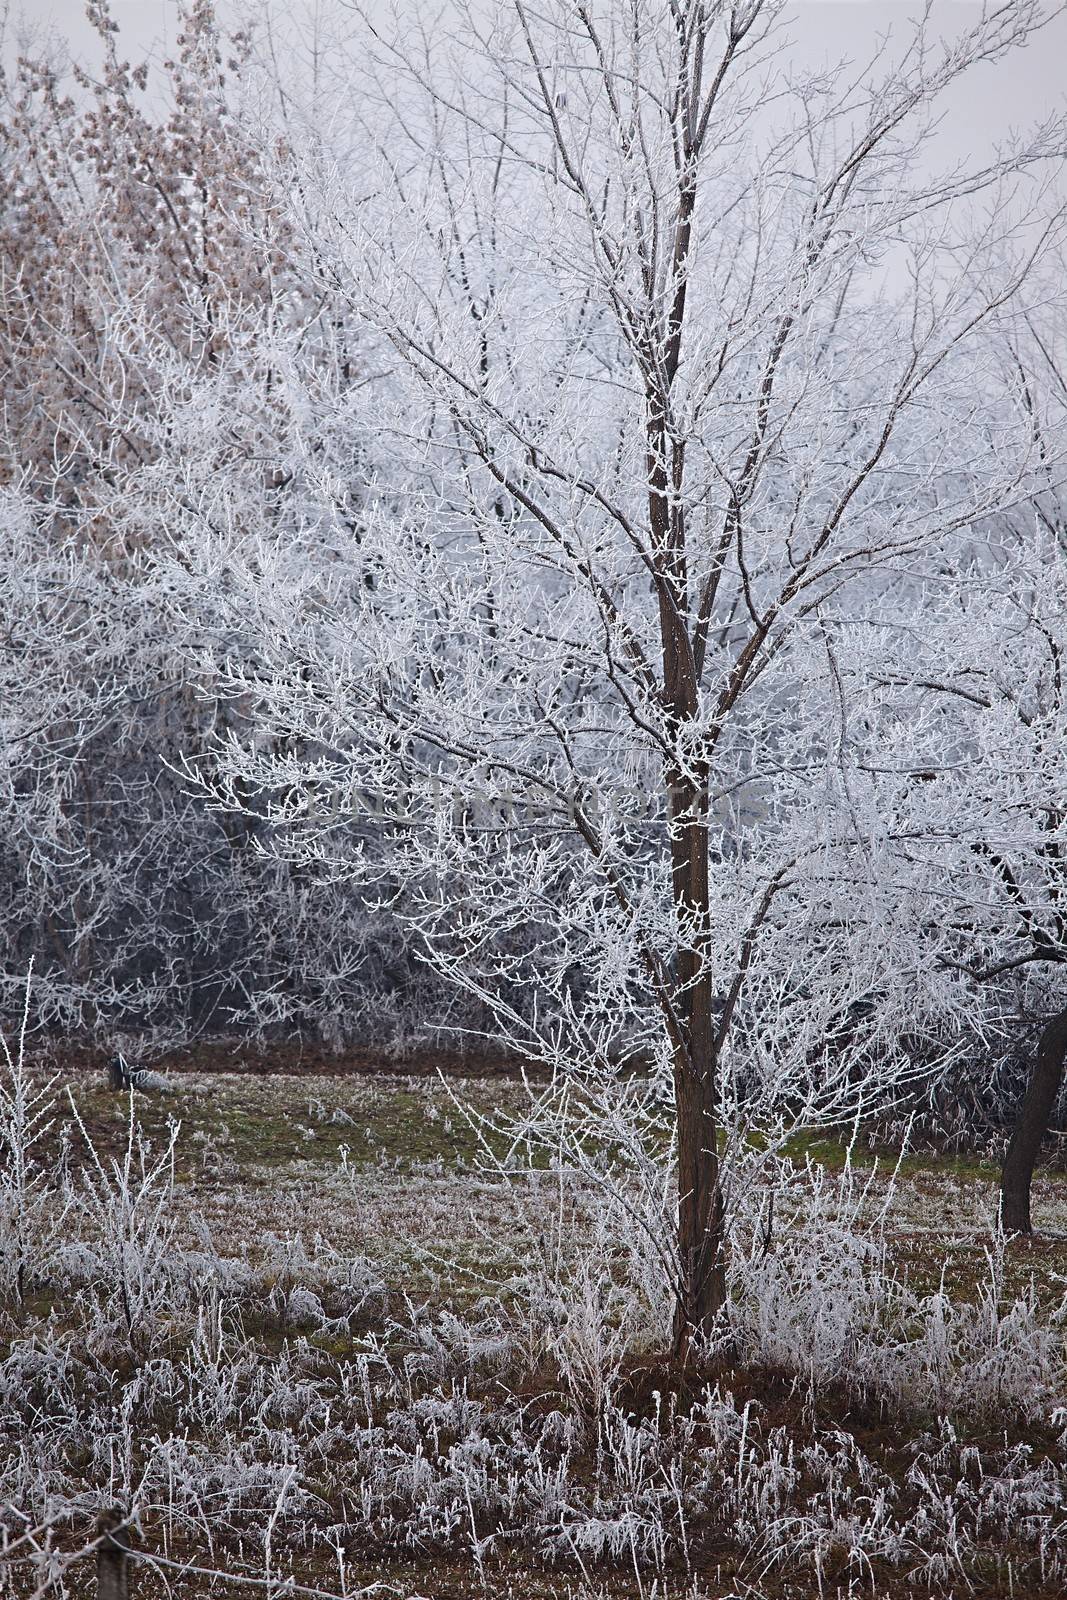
(809, 1280)
(809, 1305)
(996, 1358)
(29, 1216)
(592, 1336)
(126, 1256)
(819, 1298)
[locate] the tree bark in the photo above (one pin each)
(112, 1559)
(701, 1235)
(701, 1290)
(701, 1240)
(1031, 1126)
(701, 1293)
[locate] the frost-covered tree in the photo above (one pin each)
(953, 757)
(143, 252)
(681, 360)
(112, 216)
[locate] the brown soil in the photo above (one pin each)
(295, 1058)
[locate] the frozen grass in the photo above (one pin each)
(305, 1336)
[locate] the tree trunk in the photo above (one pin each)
(701, 1292)
(1031, 1126)
(112, 1560)
(701, 1236)
(701, 1240)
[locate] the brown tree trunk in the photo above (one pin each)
(1031, 1126)
(112, 1558)
(701, 1240)
(701, 1290)
(701, 1293)
(701, 1236)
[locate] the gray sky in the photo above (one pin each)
(989, 103)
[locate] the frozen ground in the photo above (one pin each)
(318, 1341)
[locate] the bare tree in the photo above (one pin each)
(967, 821)
(686, 356)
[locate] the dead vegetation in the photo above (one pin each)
(301, 1333)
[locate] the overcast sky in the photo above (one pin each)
(990, 102)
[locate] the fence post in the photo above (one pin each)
(112, 1563)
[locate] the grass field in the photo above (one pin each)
(345, 1352)
(395, 1169)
